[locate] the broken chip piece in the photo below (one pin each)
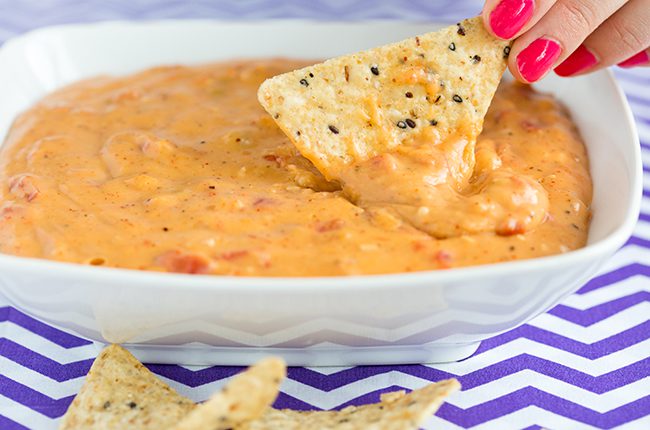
(243, 399)
(396, 411)
(120, 393)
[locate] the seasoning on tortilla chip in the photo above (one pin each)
(243, 399)
(120, 393)
(351, 108)
(396, 411)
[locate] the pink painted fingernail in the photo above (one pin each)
(636, 60)
(510, 16)
(538, 58)
(581, 60)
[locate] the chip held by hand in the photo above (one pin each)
(351, 108)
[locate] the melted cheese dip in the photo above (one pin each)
(179, 169)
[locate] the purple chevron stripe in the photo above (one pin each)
(596, 384)
(39, 402)
(533, 427)
(632, 78)
(530, 396)
(645, 243)
(637, 99)
(194, 378)
(644, 217)
(598, 313)
(592, 351)
(620, 274)
(43, 365)
(52, 334)
(285, 401)
(521, 399)
(7, 424)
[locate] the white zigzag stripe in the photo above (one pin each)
(437, 423)
(645, 205)
(529, 416)
(36, 381)
(625, 256)
(598, 402)
(596, 367)
(640, 424)
(47, 348)
(604, 295)
(603, 329)
(25, 416)
(642, 229)
(645, 156)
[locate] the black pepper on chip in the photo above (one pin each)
(438, 98)
(461, 30)
(132, 405)
(304, 82)
(476, 59)
(433, 122)
(409, 95)
(410, 123)
(333, 129)
(452, 46)
(375, 70)
(506, 52)
(457, 98)
(311, 75)
(401, 124)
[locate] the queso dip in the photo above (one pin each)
(179, 169)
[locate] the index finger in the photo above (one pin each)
(507, 19)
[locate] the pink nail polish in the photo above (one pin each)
(636, 60)
(538, 58)
(581, 60)
(510, 16)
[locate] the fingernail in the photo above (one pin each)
(510, 16)
(581, 60)
(538, 58)
(636, 60)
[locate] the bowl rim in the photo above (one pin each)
(591, 252)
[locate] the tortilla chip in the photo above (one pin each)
(396, 411)
(351, 108)
(120, 393)
(244, 398)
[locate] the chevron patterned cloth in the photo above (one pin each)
(584, 364)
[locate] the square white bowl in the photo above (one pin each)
(402, 318)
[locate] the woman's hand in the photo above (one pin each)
(571, 36)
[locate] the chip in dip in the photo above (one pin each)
(120, 393)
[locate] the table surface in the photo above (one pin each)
(584, 364)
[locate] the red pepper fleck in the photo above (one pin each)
(233, 255)
(529, 125)
(275, 159)
(181, 262)
(443, 258)
(23, 186)
(418, 246)
(263, 201)
(331, 225)
(510, 228)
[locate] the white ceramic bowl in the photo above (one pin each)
(402, 318)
